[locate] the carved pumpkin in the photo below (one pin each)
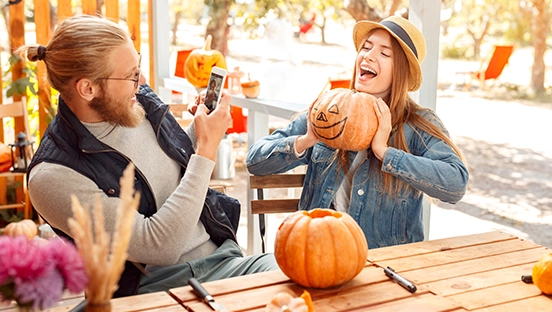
(25, 227)
(199, 63)
(320, 248)
(345, 119)
(542, 274)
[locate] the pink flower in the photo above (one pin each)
(69, 263)
(42, 292)
(37, 273)
(20, 258)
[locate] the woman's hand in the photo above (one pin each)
(308, 139)
(210, 127)
(381, 138)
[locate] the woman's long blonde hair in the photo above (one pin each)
(403, 110)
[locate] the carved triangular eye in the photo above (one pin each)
(334, 109)
(321, 116)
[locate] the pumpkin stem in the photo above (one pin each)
(321, 213)
(207, 44)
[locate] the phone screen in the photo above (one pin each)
(214, 88)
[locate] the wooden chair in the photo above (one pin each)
(262, 205)
(17, 109)
(489, 69)
(334, 83)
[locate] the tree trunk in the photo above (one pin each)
(360, 10)
(177, 17)
(540, 31)
(218, 27)
(323, 28)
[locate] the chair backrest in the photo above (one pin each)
(275, 181)
(262, 206)
(498, 61)
(17, 109)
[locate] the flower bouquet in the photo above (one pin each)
(35, 273)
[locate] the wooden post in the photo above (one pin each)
(133, 21)
(150, 45)
(89, 7)
(425, 15)
(112, 10)
(64, 10)
(17, 39)
(42, 22)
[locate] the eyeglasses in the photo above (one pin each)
(136, 78)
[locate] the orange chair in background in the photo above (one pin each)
(335, 83)
(491, 69)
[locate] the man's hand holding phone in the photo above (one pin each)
(210, 126)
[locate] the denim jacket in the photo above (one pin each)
(432, 167)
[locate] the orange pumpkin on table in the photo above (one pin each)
(345, 119)
(200, 62)
(542, 274)
(320, 248)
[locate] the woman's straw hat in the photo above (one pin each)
(409, 37)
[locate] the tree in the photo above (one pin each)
(541, 27)
(373, 10)
(218, 28)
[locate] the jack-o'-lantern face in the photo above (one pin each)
(200, 62)
(344, 119)
(325, 128)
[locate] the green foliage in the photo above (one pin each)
(23, 86)
(454, 52)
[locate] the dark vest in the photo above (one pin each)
(67, 142)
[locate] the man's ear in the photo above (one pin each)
(86, 89)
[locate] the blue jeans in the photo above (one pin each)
(227, 261)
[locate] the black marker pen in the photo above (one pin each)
(401, 280)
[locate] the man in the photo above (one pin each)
(108, 117)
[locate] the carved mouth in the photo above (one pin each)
(340, 125)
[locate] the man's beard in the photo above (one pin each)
(118, 112)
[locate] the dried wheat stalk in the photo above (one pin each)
(104, 265)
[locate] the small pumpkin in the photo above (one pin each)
(251, 88)
(345, 119)
(25, 227)
(542, 274)
(200, 62)
(320, 248)
(284, 302)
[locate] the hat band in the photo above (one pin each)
(399, 31)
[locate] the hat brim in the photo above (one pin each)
(361, 30)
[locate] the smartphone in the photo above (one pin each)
(214, 87)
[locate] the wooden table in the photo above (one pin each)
(479, 272)
(158, 301)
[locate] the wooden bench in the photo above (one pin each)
(262, 205)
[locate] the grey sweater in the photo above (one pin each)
(172, 235)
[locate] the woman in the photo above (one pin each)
(411, 154)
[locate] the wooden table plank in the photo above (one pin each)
(462, 268)
(457, 255)
(507, 293)
(425, 247)
(471, 282)
(235, 293)
(422, 303)
(511, 297)
(220, 287)
(132, 303)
